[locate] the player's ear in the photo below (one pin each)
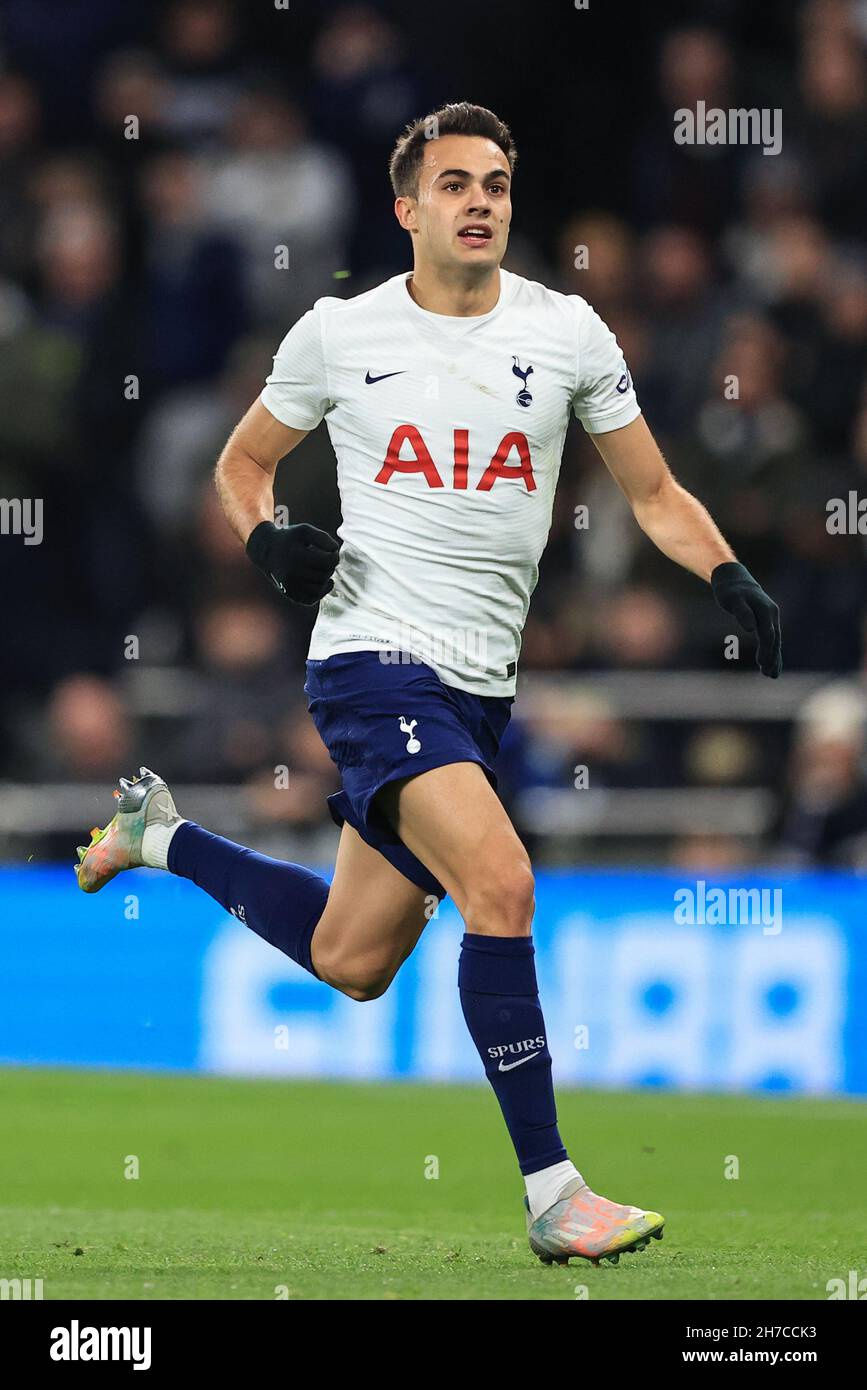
(405, 212)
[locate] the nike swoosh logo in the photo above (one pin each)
(510, 1066)
(371, 380)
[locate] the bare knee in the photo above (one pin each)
(502, 900)
(361, 978)
(363, 989)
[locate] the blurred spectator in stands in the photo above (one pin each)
(830, 122)
(692, 185)
(80, 265)
(637, 628)
(826, 818)
(293, 791)
(685, 313)
(557, 635)
(183, 435)
(19, 128)
(286, 198)
(39, 369)
(364, 91)
(749, 443)
(202, 64)
(130, 97)
(631, 628)
(61, 46)
(90, 735)
(129, 102)
(831, 17)
(724, 755)
(66, 183)
(698, 854)
(558, 732)
(840, 368)
(821, 578)
(223, 567)
(597, 259)
(193, 296)
(83, 293)
(774, 191)
(247, 683)
(801, 266)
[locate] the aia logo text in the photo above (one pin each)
(511, 460)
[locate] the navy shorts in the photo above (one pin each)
(384, 719)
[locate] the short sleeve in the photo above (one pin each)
(296, 392)
(605, 396)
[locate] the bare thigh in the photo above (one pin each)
(371, 923)
(454, 822)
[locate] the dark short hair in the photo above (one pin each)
(457, 118)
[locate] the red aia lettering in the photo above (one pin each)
(498, 468)
(462, 457)
(422, 462)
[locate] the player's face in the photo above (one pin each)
(462, 213)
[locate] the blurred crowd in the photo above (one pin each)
(179, 182)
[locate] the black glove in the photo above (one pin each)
(299, 560)
(738, 593)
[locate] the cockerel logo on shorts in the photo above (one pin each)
(413, 745)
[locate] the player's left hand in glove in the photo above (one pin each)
(738, 593)
(299, 560)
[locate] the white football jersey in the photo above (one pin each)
(448, 434)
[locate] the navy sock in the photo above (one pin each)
(500, 1000)
(280, 902)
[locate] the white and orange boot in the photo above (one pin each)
(580, 1223)
(142, 801)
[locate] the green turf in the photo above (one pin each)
(320, 1188)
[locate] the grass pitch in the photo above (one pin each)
(258, 1190)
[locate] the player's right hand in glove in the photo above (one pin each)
(299, 560)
